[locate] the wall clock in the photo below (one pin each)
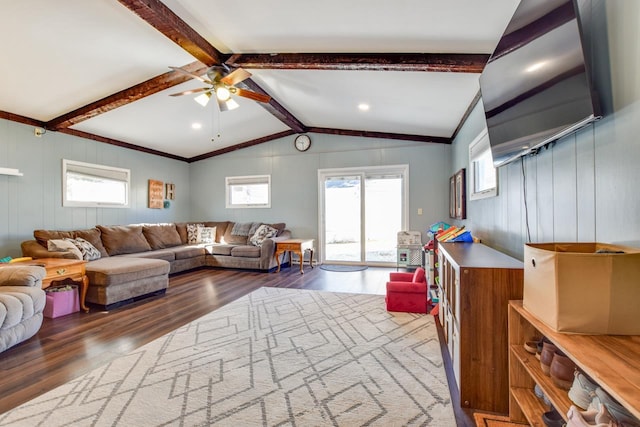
(302, 142)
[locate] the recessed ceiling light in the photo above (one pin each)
(196, 125)
(363, 107)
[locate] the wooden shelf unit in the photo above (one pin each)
(611, 361)
(476, 283)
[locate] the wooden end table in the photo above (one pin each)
(298, 246)
(59, 269)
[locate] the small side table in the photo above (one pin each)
(59, 269)
(299, 246)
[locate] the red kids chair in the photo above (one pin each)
(407, 292)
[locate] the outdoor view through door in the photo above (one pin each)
(362, 211)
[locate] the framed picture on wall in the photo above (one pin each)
(452, 197)
(461, 194)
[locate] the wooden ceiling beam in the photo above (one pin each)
(118, 99)
(160, 17)
(433, 62)
(123, 144)
(382, 135)
(21, 119)
(242, 145)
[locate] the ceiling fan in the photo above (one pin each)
(222, 83)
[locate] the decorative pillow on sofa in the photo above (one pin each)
(60, 245)
(262, 233)
(88, 251)
(192, 233)
(206, 235)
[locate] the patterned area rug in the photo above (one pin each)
(276, 357)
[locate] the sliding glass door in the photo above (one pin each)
(361, 212)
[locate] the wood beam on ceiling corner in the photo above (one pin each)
(159, 16)
(434, 62)
(274, 107)
(382, 135)
(21, 119)
(242, 145)
(115, 142)
(118, 99)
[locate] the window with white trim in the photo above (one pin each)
(248, 191)
(91, 185)
(483, 176)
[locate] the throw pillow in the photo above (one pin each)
(88, 251)
(192, 233)
(263, 233)
(206, 234)
(59, 245)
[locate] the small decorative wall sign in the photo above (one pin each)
(170, 190)
(156, 194)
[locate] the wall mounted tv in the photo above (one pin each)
(536, 86)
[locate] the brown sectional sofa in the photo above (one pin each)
(135, 260)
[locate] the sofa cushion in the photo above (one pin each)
(262, 233)
(280, 226)
(206, 235)
(88, 251)
(91, 235)
(221, 228)
(233, 239)
(247, 251)
(64, 245)
(186, 252)
(123, 239)
(221, 249)
(164, 254)
(161, 236)
(192, 233)
(181, 228)
(117, 270)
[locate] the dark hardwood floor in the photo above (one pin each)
(72, 345)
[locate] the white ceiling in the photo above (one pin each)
(58, 56)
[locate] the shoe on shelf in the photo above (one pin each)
(590, 418)
(617, 411)
(553, 419)
(582, 390)
(546, 357)
(540, 394)
(531, 346)
(562, 370)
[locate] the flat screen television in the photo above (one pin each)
(536, 86)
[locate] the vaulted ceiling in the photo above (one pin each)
(100, 69)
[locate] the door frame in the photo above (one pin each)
(364, 171)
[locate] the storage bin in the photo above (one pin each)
(60, 303)
(588, 288)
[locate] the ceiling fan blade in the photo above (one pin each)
(195, 76)
(252, 95)
(189, 92)
(235, 77)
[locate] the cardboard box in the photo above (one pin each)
(573, 288)
(61, 303)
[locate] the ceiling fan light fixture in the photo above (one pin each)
(222, 93)
(203, 99)
(231, 104)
